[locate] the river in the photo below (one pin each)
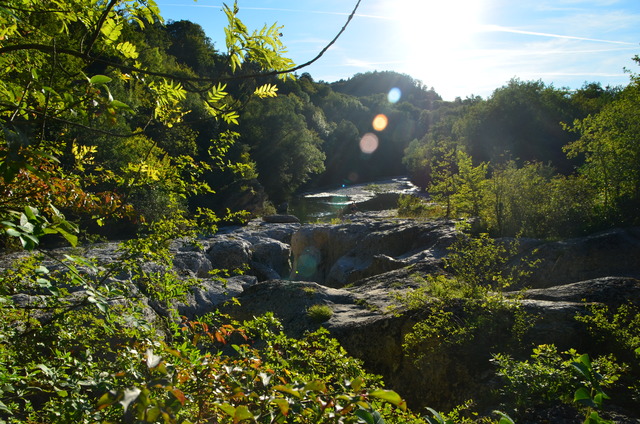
(324, 205)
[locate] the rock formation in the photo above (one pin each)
(358, 267)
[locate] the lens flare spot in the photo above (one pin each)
(369, 143)
(380, 122)
(307, 264)
(394, 95)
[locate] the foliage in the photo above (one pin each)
(498, 159)
(608, 142)
(619, 330)
(551, 376)
(486, 264)
(412, 206)
(287, 152)
(468, 308)
(80, 89)
(114, 366)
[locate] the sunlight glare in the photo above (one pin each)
(437, 23)
(433, 33)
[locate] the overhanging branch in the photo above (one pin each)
(127, 68)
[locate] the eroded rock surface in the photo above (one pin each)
(358, 268)
(338, 255)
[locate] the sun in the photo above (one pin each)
(432, 37)
(438, 24)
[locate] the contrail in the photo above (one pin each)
(498, 28)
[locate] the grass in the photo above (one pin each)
(319, 313)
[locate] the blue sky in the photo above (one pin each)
(458, 47)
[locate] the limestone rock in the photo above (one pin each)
(281, 219)
(230, 253)
(195, 264)
(209, 294)
(336, 255)
(614, 252)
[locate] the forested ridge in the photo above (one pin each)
(118, 125)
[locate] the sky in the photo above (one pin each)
(461, 48)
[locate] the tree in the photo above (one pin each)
(286, 151)
(609, 143)
(444, 183)
(470, 192)
(520, 121)
(72, 68)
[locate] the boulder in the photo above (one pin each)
(210, 294)
(228, 252)
(194, 264)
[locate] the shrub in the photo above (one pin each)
(550, 377)
(412, 206)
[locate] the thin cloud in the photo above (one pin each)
(277, 9)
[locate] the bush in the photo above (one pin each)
(550, 377)
(412, 206)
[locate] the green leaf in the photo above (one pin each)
(583, 397)
(387, 395)
(266, 90)
(127, 49)
(152, 414)
(504, 418)
(357, 383)
(111, 30)
(231, 117)
(41, 269)
(242, 413)
(286, 389)
(120, 105)
(71, 238)
(283, 404)
(44, 369)
(31, 212)
(315, 386)
(437, 418)
(11, 232)
(228, 409)
(365, 416)
(4, 408)
(99, 79)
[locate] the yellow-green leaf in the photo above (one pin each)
(387, 395)
(128, 50)
(266, 90)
